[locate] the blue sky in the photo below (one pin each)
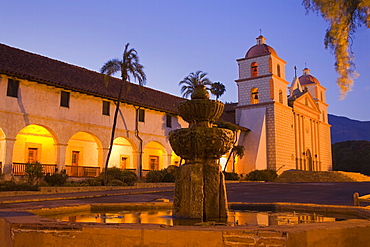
(174, 38)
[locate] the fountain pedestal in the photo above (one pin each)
(200, 190)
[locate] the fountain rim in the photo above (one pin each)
(281, 206)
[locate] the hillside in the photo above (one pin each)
(352, 156)
(345, 129)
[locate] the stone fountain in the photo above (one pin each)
(200, 191)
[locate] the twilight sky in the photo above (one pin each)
(176, 37)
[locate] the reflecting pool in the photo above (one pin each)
(164, 217)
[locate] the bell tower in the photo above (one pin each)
(262, 102)
(261, 76)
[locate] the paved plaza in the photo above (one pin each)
(248, 192)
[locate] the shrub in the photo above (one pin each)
(154, 176)
(94, 182)
(168, 177)
(231, 176)
(116, 182)
(33, 172)
(261, 175)
(12, 186)
(129, 177)
(164, 175)
(114, 173)
(56, 179)
(72, 183)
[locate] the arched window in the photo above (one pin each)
(254, 96)
(254, 69)
(278, 70)
(281, 97)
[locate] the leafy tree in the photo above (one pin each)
(193, 80)
(352, 156)
(218, 89)
(129, 67)
(344, 17)
(33, 172)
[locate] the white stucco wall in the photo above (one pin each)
(39, 104)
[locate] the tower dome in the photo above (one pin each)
(307, 78)
(260, 48)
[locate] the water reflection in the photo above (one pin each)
(164, 217)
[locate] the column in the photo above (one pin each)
(139, 164)
(102, 157)
(166, 160)
(61, 150)
(8, 160)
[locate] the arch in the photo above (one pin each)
(254, 96)
(281, 101)
(309, 163)
(34, 143)
(123, 154)
(154, 157)
(84, 151)
(254, 69)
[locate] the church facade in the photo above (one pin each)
(61, 115)
(289, 124)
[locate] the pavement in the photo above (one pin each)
(247, 192)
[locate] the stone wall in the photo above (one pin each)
(320, 176)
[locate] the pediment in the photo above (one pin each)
(305, 101)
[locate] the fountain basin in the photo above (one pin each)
(201, 142)
(21, 228)
(201, 111)
(245, 214)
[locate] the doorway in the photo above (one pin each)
(154, 162)
(32, 155)
(75, 159)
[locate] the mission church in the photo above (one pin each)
(61, 116)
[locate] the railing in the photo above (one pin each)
(357, 199)
(19, 168)
(83, 171)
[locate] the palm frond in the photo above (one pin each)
(109, 68)
(217, 89)
(192, 80)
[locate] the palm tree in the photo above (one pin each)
(129, 67)
(218, 89)
(237, 150)
(193, 80)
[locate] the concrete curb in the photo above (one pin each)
(50, 197)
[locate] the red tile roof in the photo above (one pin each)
(33, 67)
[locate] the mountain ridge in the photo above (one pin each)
(346, 129)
